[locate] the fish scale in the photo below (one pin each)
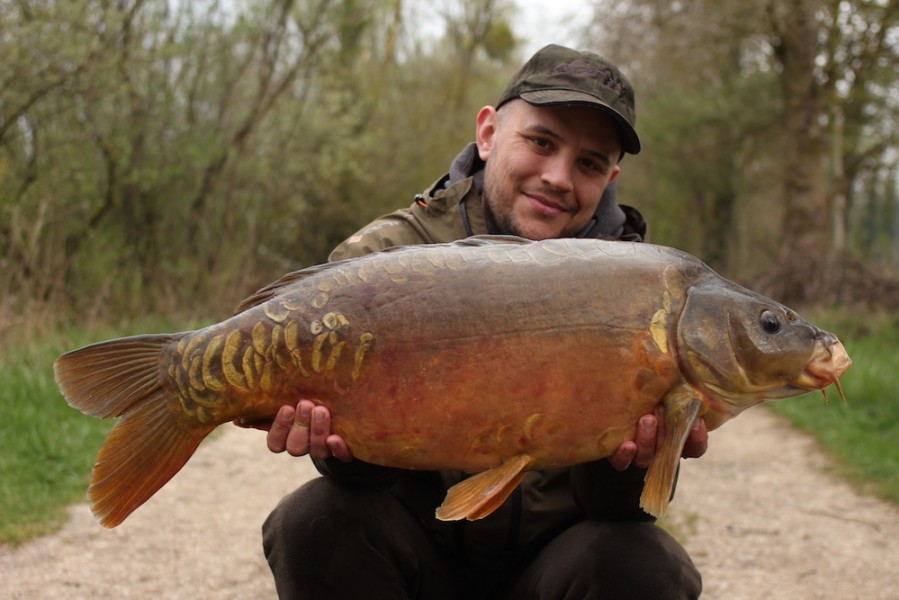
(490, 355)
(208, 364)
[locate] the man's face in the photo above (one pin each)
(547, 167)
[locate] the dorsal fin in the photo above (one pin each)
(475, 240)
(276, 287)
(273, 289)
(488, 239)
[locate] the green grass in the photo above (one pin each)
(48, 448)
(863, 434)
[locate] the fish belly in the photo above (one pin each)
(430, 359)
(433, 368)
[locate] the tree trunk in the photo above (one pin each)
(802, 274)
(805, 231)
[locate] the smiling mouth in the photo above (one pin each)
(544, 205)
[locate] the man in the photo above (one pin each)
(541, 167)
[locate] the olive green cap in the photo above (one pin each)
(556, 75)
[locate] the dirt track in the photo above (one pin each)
(761, 516)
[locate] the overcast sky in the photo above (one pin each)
(542, 22)
(536, 22)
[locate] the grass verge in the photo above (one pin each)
(48, 447)
(862, 435)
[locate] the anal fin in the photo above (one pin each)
(481, 494)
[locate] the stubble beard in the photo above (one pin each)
(502, 224)
(506, 224)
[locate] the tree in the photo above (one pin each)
(860, 56)
(160, 157)
(704, 112)
(807, 90)
(831, 57)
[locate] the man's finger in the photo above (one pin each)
(623, 456)
(339, 449)
(320, 430)
(277, 433)
(697, 441)
(647, 433)
(297, 442)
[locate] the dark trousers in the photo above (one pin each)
(326, 540)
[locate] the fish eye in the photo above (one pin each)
(770, 322)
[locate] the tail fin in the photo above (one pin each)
(149, 444)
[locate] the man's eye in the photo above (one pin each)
(540, 142)
(592, 166)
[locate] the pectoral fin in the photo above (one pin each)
(481, 494)
(681, 407)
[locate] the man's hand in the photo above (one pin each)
(304, 429)
(650, 434)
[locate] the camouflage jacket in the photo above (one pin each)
(547, 501)
(451, 209)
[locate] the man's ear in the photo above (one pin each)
(615, 171)
(486, 130)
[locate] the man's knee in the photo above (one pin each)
(306, 538)
(613, 560)
(324, 531)
(645, 561)
(316, 509)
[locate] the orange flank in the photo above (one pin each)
(492, 356)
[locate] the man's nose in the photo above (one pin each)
(558, 172)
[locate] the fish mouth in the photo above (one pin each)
(828, 363)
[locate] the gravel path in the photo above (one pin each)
(765, 518)
(759, 513)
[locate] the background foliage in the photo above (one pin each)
(772, 136)
(161, 157)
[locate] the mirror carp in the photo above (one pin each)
(491, 355)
